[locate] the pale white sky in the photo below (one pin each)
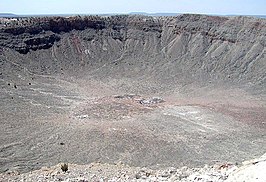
(223, 7)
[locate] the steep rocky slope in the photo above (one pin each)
(147, 91)
(208, 47)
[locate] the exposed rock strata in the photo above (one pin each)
(212, 48)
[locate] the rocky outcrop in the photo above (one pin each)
(36, 27)
(248, 171)
(54, 24)
(42, 33)
(211, 47)
(42, 41)
(206, 25)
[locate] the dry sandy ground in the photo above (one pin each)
(54, 120)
